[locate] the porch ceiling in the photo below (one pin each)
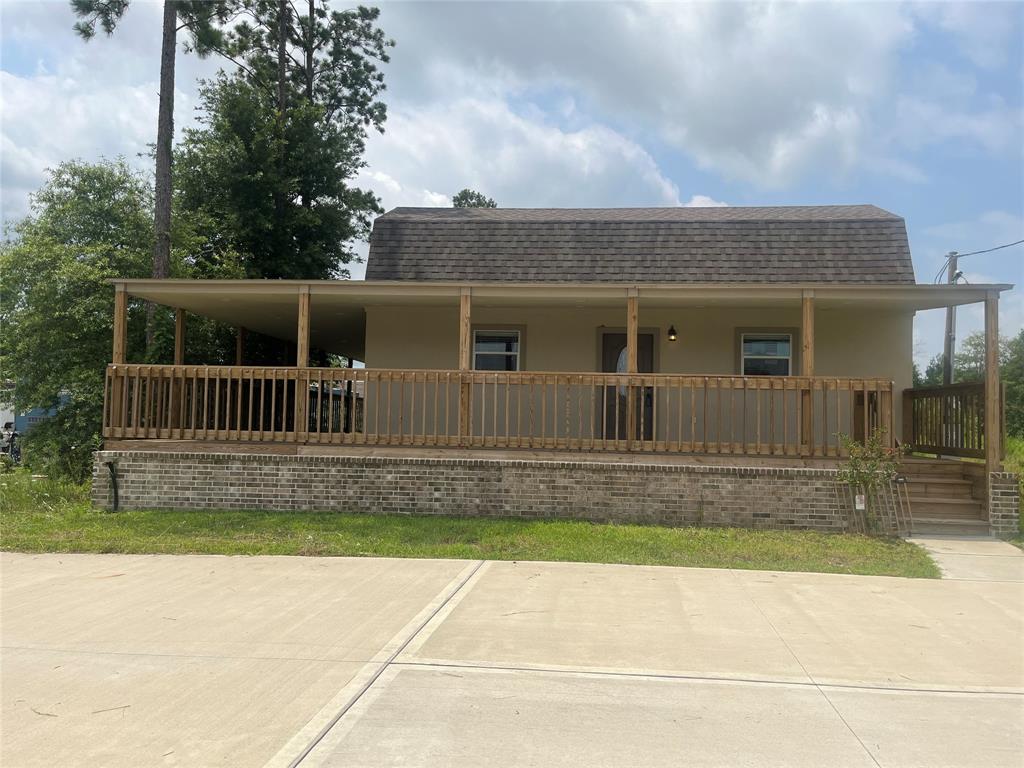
(338, 318)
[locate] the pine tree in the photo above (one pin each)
(201, 18)
(281, 138)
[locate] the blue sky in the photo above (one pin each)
(917, 108)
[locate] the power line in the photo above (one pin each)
(950, 256)
(989, 250)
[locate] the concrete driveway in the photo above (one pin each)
(201, 661)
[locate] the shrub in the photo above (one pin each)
(870, 466)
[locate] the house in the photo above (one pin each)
(22, 422)
(673, 365)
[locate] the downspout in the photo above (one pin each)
(112, 469)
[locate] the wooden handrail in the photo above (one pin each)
(946, 419)
(640, 412)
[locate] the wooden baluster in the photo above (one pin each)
(594, 402)
(121, 399)
(718, 405)
(216, 405)
(604, 412)
(837, 413)
(423, 409)
(105, 419)
(567, 383)
(508, 404)
(137, 420)
(785, 416)
(757, 415)
(399, 406)
(273, 403)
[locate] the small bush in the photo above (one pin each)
(871, 466)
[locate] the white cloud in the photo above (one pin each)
(703, 201)
(430, 152)
(77, 99)
(560, 103)
(990, 227)
(762, 92)
(981, 31)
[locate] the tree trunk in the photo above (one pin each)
(164, 140)
(310, 48)
(310, 42)
(282, 105)
(282, 56)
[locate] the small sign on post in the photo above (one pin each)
(859, 502)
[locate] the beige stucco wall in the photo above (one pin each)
(854, 342)
(849, 342)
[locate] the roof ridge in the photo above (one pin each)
(854, 212)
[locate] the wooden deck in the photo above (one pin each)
(496, 454)
(791, 417)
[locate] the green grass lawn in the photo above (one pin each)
(48, 516)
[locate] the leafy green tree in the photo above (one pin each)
(1013, 377)
(280, 140)
(969, 365)
(469, 198)
(969, 361)
(202, 19)
(932, 375)
(88, 223)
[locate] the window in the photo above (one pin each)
(767, 354)
(496, 350)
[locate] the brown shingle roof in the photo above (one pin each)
(819, 244)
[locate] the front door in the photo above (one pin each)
(614, 399)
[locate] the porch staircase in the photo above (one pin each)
(942, 499)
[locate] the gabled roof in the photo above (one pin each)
(792, 244)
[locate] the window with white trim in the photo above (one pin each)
(766, 354)
(496, 350)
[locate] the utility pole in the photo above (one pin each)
(950, 346)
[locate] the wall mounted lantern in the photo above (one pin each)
(672, 336)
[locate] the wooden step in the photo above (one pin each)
(948, 508)
(934, 526)
(937, 487)
(916, 467)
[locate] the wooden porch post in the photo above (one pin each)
(118, 355)
(465, 361)
(240, 345)
(807, 370)
(993, 420)
(179, 336)
(632, 325)
(120, 325)
(302, 343)
(301, 363)
(176, 375)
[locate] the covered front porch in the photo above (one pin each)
(776, 371)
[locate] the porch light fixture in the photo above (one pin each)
(672, 335)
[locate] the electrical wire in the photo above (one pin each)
(989, 250)
(949, 258)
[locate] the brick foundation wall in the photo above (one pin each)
(1003, 503)
(754, 497)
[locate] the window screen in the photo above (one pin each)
(767, 354)
(496, 350)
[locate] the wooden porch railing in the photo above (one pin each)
(571, 411)
(947, 420)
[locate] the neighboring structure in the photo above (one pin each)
(666, 364)
(22, 421)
